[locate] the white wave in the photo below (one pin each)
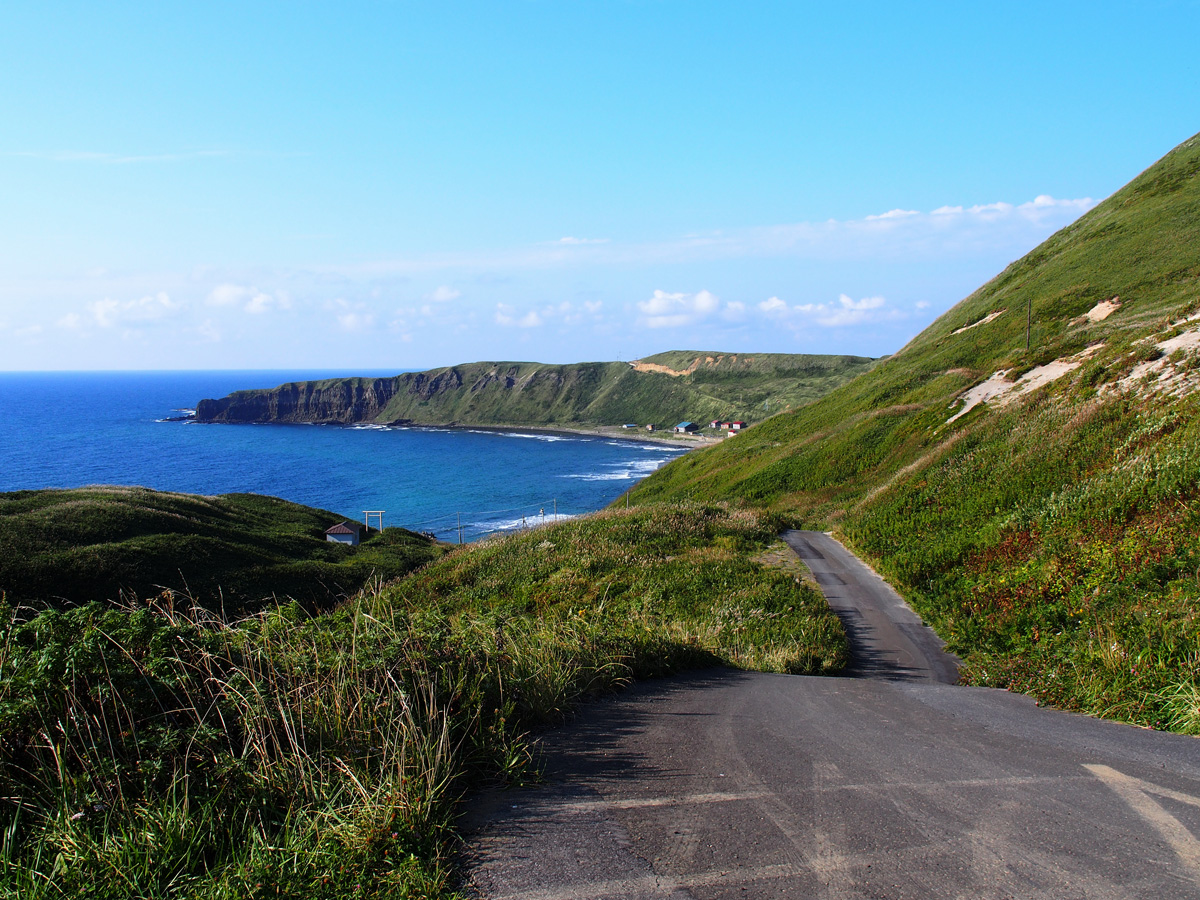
(652, 448)
(626, 471)
(517, 524)
(548, 438)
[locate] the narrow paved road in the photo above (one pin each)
(887, 638)
(888, 784)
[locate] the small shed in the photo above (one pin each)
(736, 426)
(715, 423)
(686, 427)
(345, 533)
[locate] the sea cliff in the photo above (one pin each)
(662, 390)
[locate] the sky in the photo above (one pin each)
(402, 185)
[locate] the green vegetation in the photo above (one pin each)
(1053, 541)
(148, 753)
(708, 386)
(230, 553)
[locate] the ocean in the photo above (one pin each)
(70, 429)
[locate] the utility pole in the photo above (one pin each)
(459, 527)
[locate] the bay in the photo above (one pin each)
(70, 429)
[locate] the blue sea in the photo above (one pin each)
(75, 429)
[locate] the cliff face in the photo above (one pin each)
(517, 393)
(343, 401)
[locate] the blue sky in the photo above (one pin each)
(403, 185)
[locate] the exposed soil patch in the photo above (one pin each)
(989, 317)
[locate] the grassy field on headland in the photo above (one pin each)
(1052, 534)
(233, 553)
(150, 752)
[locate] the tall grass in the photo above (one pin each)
(151, 752)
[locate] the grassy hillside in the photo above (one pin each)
(156, 754)
(582, 394)
(1050, 534)
(234, 552)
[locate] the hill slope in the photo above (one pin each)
(233, 552)
(1049, 532)
(662, 389)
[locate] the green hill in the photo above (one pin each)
(1050, 533)
(661, 390)
(229, 553)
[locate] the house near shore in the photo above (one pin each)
(736, 426)
(686, 428)
(345, 533)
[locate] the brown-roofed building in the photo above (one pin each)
(345, 533)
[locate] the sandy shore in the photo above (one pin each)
(611, 432)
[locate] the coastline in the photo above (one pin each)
(609, 432)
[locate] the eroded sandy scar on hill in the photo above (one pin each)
(1162, 374)
(992, 315)
(1001, 391)
(1103, 310)
(639, 366)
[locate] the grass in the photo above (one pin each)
(231, 553)
(150, 753)
(581, 394)
(1052, 542)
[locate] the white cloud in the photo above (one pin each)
(443, 294)
(508, 317)
(864, 303)
(666, 310)
(226, 294)
(355, 321)
(209, 331)
(948, 230)
(893, 214)
(734, 311)
(251, 299)
(851, 312)
(72, 321)
(773, 306)
(847, 311)
(109, 312)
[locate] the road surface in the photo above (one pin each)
(890, 783)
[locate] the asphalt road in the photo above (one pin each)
(890, 783)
